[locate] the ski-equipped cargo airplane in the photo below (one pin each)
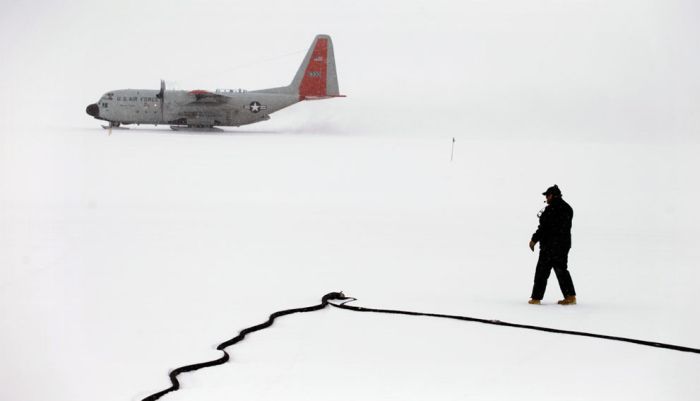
(315, 79)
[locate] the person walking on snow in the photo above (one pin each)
(554, 236)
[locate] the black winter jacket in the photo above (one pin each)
(554, 231)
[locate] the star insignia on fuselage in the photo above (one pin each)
(255, 107)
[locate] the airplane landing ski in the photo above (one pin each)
(195, 129)
(111, 127)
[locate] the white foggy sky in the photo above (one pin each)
(623, 69)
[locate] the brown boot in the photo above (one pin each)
(534, 301)
(569, 300)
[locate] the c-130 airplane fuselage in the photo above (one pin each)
(315, 79)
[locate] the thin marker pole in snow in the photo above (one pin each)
(453, 149)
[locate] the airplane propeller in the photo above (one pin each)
(161, 96)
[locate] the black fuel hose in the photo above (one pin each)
(339, 296)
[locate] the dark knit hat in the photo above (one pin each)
(553, 190)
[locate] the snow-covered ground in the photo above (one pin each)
(125, 255)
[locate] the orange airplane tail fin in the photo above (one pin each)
(317, 77)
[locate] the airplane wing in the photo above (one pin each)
(206, 97)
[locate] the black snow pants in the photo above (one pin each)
(556, 259)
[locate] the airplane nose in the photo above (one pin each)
(93, 110)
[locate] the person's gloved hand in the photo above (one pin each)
(532, 246)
